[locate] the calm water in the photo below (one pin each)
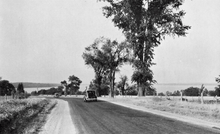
(174, 87)
(29, 90)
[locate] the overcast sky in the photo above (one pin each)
(43, 41)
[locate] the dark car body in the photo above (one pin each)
(90, 96)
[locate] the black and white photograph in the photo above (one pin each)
(109, 67)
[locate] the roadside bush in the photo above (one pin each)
(15, 115)
(191, 91)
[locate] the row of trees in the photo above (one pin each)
(145, 23)
(6, 88)
(66, 88)
(52, 91)
(73, 86)
(191, 91)
(105, 57)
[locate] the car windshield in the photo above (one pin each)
(91, 94)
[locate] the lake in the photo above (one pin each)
(29, 90)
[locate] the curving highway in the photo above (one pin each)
(105, 118)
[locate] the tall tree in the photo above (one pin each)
(145, 23)
(106, 56)
(74, 83)
(6, 87)
(122, 84)
(93, 57)
(65, 87)
(115, 54)
(104, 87)
(20, 88)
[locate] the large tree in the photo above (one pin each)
(65, 86)
(145, 23)
(6, 87)
(115, 54)
(93, 57)
(106, 56)
(122, 84)
(103, 88)
(20, 88)
(74, 84)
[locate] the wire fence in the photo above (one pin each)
(5, 98)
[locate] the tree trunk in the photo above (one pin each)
(112, 78)
(140, 90)
(112, 89)
(123, 90)
(98, 92)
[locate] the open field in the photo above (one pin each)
(192, 108)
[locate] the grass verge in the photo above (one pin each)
(24, 116)
(208, 112)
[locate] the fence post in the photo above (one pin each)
(5, 96)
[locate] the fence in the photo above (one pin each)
(4, 98)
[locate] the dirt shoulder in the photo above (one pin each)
(59, 121)
(140, 104)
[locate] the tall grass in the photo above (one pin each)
(17, 115)
(192, 108)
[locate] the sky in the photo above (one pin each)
(43, 41)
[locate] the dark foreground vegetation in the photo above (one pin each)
(24, 116)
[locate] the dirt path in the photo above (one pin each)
(59, 121)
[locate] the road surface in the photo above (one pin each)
(105, 118)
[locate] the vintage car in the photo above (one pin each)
(90, 95)
(57, 95)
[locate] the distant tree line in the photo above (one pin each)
(66, 88)
(7, 88)
(192, 91)
(52, 91)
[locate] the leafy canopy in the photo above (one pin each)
(145, 23)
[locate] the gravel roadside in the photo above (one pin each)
(59, 121)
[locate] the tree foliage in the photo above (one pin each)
(131, 90)
(20, 88)
(74, 84)
(145, 23)
(176, 93)
(6, 87)
(103, 88)
(93, 57)
(105, 57)
(192, 91)
(122, 84)
(212, 93)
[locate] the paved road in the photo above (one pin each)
(106, 118)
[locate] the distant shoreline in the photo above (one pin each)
(36, 85)
(186, 84)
